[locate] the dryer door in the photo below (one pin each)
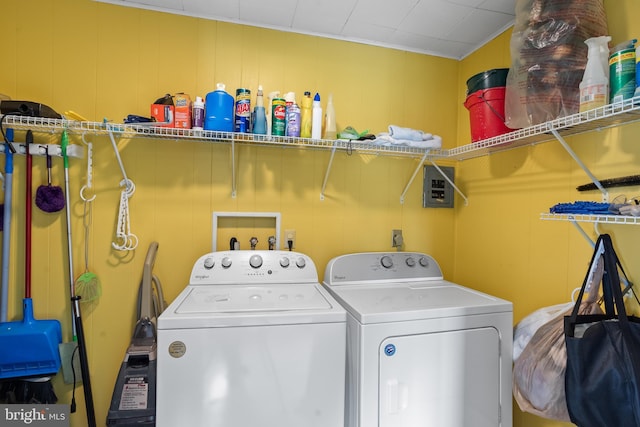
(440, 379)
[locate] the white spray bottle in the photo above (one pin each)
(594, 87)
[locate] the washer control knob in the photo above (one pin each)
(255, 261)
(226, 262)
(301, 263)
(284, 262)
(386, 261)
(424, 261)
(411, 262)
(209, 263)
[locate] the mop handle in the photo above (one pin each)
(6, 227)
(64, 142)
(27, 254)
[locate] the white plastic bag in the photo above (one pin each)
(527, 327)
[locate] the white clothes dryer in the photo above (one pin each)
(421, 351)
(253, 340)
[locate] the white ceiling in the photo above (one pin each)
(446, 28)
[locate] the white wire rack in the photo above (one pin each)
(44, 125)
(602, 219)
(610, 115)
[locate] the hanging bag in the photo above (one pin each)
(538, 373)
(602, 378)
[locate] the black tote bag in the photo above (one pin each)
(602, 378)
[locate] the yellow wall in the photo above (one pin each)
(501, 245)
(105, 61)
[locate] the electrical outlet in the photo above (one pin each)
(396, 239)
(290, 235)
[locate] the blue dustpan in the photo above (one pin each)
(29, 347)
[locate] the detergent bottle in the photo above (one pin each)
(293, 115)
(259, 116)
(305, 115)
(594, 87)
(218, 107)
(316, 118)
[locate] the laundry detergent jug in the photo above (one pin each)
(219, 110)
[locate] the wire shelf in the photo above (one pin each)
(45, 125)
(626, 111)
(610, 115)
(603, 219)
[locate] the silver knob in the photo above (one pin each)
(255, 261)
(284, 262)
(301, 263)
(411, 262)
(209, 263)
(424, 261)
(386, 261)
(226, 262)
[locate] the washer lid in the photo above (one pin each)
(244, 305)
(401, 302)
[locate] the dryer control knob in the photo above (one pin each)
(411, 262)
(209, 263)
(226, 262)
(301, 263)
(284, 262)
(424, 261)
(386, 261)
(255, 261)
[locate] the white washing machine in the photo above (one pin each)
(253, 340)
(421, 351)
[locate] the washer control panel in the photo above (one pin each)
(253, 267)
(381, 266)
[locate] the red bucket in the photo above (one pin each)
(486, 110)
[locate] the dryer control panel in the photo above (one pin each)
(253, 267)
(370, 267)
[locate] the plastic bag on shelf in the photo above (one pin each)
(548, 58)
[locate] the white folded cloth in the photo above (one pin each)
(398, 132)
(384, 138)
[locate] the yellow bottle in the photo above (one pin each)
(305, 115)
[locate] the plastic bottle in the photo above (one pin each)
(259, 116)
(293, 115)
(198, 114)
(594, 87)
(305, 115)
(218, 109)
(316, 118)
(330, 131)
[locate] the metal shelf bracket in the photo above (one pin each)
(326, 175)
(605, 193)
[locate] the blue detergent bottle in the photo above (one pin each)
(219, 106)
